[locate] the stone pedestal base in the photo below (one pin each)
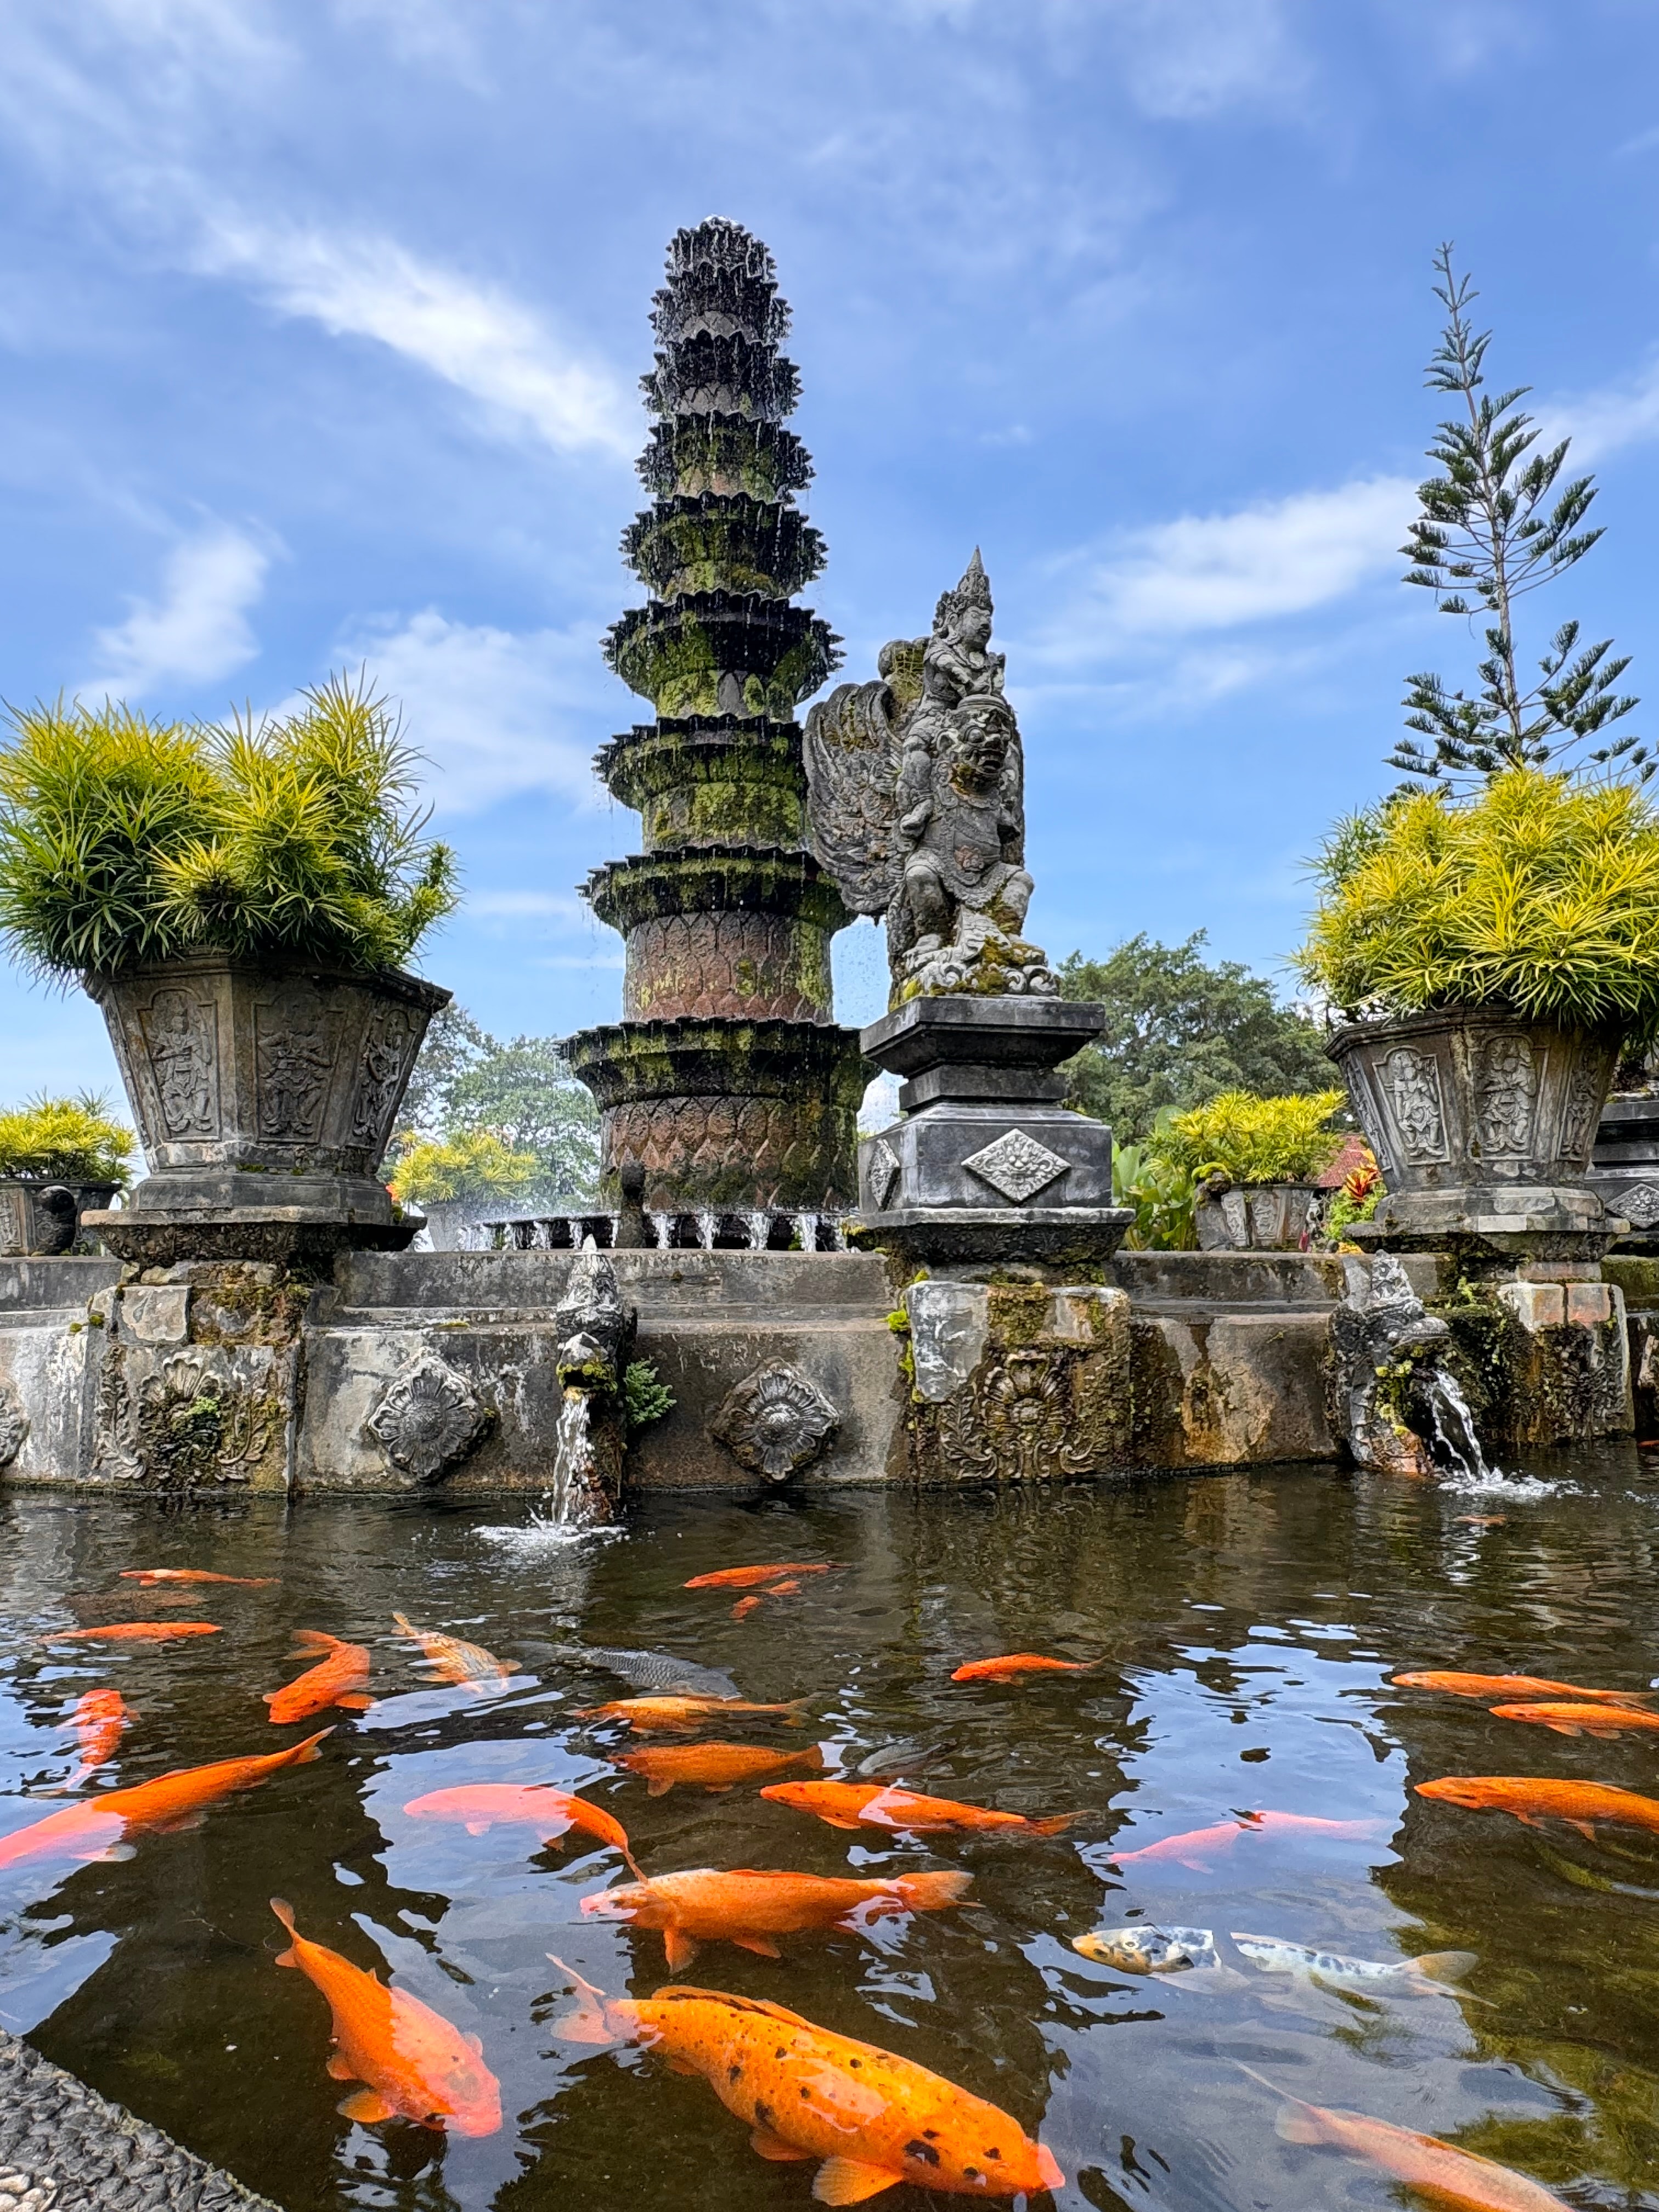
(228, 1214)
(987, 1169)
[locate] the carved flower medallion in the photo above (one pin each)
(428, 1420)
(775, 1421)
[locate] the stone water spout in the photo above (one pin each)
(595, 1335)
(1401, 1409)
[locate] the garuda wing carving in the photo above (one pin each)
(852, 757)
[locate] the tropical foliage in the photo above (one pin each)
(69, 1140)
(1362, 1187)
(476, 1164)
(1538, 895)
(1161, 1192)
(646, 1398)
(123, 839)
(1251, 1140)
(1494, 525)
(1179, 1028)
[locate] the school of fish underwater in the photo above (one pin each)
(1266, 1843)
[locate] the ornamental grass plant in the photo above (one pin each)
(125, 840)
(69, 1140)
(1539, 897)
(475, 1163)
(1245, 1139)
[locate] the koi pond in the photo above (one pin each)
(1240, 1634)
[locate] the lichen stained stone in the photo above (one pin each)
(728, 918)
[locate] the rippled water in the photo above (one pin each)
(1246, 1628)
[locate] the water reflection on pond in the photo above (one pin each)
(1245, 1630)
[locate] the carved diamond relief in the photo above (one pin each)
(1639, 1205)
(884, 1170)
(1017, 1165)
(775, 1421)
(428, 1420)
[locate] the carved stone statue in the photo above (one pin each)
(915, 805)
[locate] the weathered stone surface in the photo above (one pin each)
(1382, 1339)
(775, 1421)
(1260, 1216)
(44, 1218)
(429, 1420)
(65, 2148)
(915, 803)
(1625, 1166)
(264, 1100)
(1482, 1125)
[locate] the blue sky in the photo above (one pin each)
(320, 322)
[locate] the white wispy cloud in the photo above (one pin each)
(1600, 422)
(496, 712)
(197, 628)
(472, 335)
(1217, 572)
(1187, 60)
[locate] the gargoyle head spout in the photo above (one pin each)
(595, 1329)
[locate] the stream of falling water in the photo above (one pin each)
(569, 1498)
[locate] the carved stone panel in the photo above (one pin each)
(1411, 1087)
(1016, 1166)
(14, 1425)
(180, 1039)
(1581, 1111)
(775, 1421)
(1019, 1422)
(1638, 1202)
(389, 1048)
(295, 1046)
(1505, 1095)
(429, 1420)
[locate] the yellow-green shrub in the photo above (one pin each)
(70, 1140)
(477, 1164)
(1252, 1140)
(1539, 896)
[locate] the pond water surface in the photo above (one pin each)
(1245, 1629)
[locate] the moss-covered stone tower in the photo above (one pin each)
(726, 1078)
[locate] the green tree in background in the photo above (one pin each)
(467, 1082)
(1494, 525)
(1178, 1031)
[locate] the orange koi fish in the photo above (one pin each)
(1483, 1520)
(418, 2064)
(1533, 1798)
(873, 1805)
(1198, 1847)
(337, 1678)
(744, 1606)
(875, 2119)
(552, 1813)
(453, 1659)
(750, 1909)
(1569, 1719)
(669, 1716)
(134, 1632)
(1516, 1686)
(98, 1720)
(91, 1828)
(750, 1577)
(1439, 2169)
(716, 1766)
(148, 1576)
(1017, 1664)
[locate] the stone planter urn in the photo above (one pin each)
(1263, 1217)
(42, 1218)
(265, 1098)
(1482, 1124)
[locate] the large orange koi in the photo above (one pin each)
(98, 1720)
(1516, 1686)
(681, 1716)
(91, 1828)
(714, 1766)
(1571, 1718)
(874, 2119)
(418, 2065)
(134, 1632)
(1533, 1798)
(751, 1908)
(551, 1813)
(1009, 1669)
(148, 1576)
(339, 1678)
(876, 1805)
(453, 1659)
(752, 1578)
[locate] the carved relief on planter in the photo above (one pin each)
(1505, 1095)
(775, 1421)
(181, 1042)
(394, 1038)
(14, 1425)
(1580, 1113)
(296, 1044)
(429, 1420)
(1412, 1082)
